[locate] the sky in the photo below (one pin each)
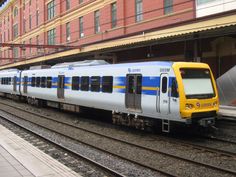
(4, 5)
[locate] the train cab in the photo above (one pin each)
(197, 93)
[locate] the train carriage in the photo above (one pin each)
(136, 93)
(10, 82)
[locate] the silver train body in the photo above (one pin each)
(136, 93)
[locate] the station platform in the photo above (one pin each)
(18, 158)
(228, 111)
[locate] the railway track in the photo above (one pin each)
(61, 153)
(90, 161)
(108, 170)
(147, 149)
(173, 140)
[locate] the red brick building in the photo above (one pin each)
(121, 30)
(78, 22)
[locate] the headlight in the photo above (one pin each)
(215, 103)
(188, 106)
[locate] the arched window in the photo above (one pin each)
(15, 11)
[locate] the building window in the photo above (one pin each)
(24, 24)
(37, 42)
(67, 4)
(15, 52)
(168, 6)
(51, 36)
(138, 10)
(97, 21)
(15, 31)
(67, 32)
(51, 9)
(30, 42)
(37, 39)
(37, 17)
(30, 21)
(113, 15)
(8, 36)
(15, 12)
(23, 49)
(81, 27)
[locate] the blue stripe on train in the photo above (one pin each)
(147, 81)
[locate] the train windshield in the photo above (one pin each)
(197, 83)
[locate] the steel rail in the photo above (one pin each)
(146, 148)
(90, 160)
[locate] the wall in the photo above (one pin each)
(153, 17)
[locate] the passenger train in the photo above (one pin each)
(137, 94)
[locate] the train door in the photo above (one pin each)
(14, 83)
(25, 84)
(60, 86)
(133, 91)
(164, 97)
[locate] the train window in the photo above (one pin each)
(33, 82)
(174, 91)
(43, 82)
(95, 83)
(75, 83)
(85, 83)
(49, 82)
(37, 81)
(164, 85)
(107, 84)
(131, 88)
(25, 80)
(139, 85)
(9, 80)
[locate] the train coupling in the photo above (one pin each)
(206, 122)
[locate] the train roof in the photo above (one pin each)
(80, 64)
(9, 70)
(71, 66)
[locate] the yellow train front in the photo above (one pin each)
(198, 94)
